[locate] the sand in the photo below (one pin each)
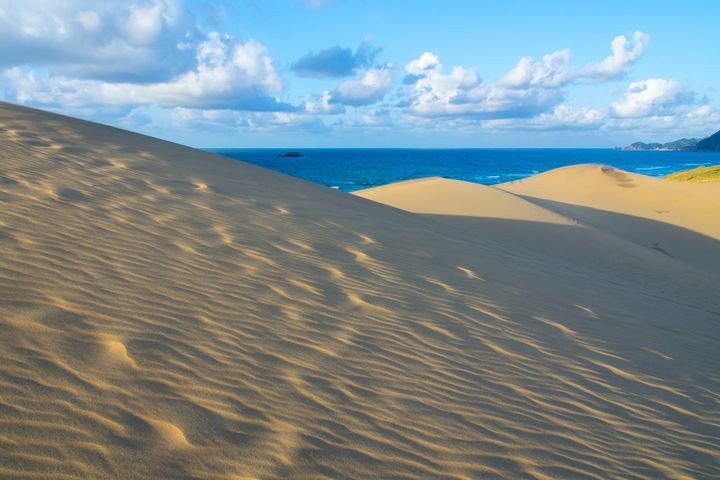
(678, 219)
(167, 313)
(441, 196)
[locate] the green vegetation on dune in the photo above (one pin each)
(699, 174)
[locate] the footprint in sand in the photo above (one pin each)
(282, 210)
(71, 195)
(366, 239)
(469, 273)
(117, 352)
(169, 434)
(199, 185)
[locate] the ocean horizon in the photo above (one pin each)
(350, 169)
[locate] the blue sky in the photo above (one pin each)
(345, 73)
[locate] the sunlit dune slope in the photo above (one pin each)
(167, 313)
(639, 208)
(443, 196)
(516, 226)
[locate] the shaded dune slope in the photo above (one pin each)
(616, 245)
(681, 220)
(167, 313)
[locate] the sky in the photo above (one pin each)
(364, 73)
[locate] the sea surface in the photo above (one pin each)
(351, 169)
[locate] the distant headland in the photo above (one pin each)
(709, 144)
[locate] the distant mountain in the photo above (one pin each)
(682, 144)
(643, 146)
(711, 143)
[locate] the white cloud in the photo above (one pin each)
(462, 93)
(227, 75)
(624, 55)
(653, 96)
(703, 116)
(322, 104)
(89, 20)
(562, 117)
(661, 106)
(554, 71)
(253, 121)
(420, 66)
(118, 41)
(145, 23)
(369, 88)
(530, 89)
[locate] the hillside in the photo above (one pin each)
(683, 144)
(699, 174)
(712, 143)
(168, 313)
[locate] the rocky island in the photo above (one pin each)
(290, 154)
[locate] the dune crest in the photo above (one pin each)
(167, 313)
(692, 206)
(443, 196)
(638, 208)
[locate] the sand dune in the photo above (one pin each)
(167, 313)
(639, 208)
(570, 237)
(442, 196)
(691, 206)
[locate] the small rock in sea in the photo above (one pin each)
(291, 154)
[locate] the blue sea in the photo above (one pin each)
(351, 169)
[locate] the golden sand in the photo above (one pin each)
(167, 313)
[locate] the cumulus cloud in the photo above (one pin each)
(336, 62)
(461, 92)
(530, 89)
(562, 117)
(698, 121)
(137, 41)
(652, 97)
(227, 75)
(369, 88)
(555, 71)
(624, 54)
(322, 104)
(230, 120)
(662, 106)
(427, 62)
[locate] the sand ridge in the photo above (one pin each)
(438, 195)
(167, 313)
(677, 219)
(692, 206)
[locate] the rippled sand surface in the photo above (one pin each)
(166, 313)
